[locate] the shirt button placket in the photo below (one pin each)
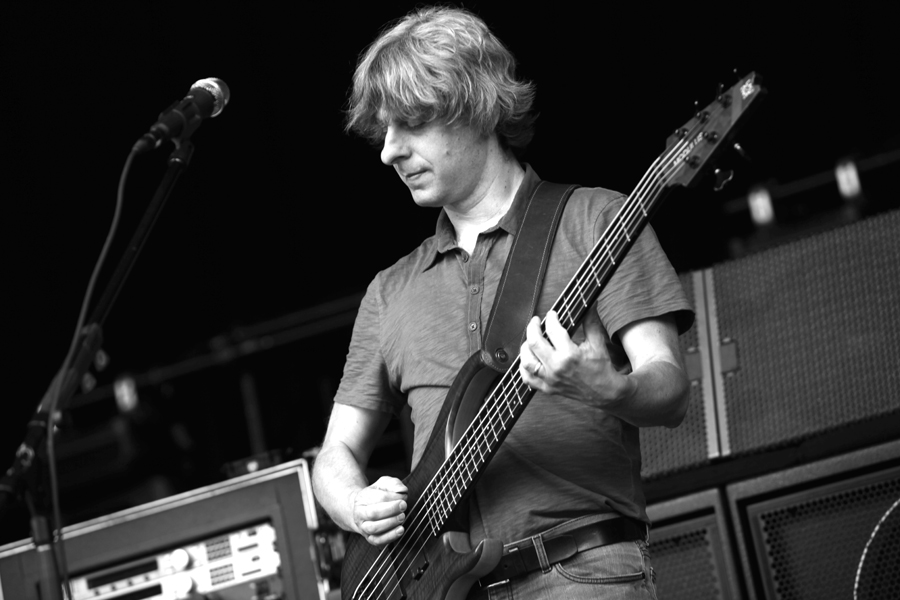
(474, 268)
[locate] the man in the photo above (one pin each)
(438, 90)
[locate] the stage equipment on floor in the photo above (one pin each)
(248, 537)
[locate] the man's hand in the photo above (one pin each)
(380, 510)
(582, 372)
(654, 393)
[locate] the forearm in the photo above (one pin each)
(656, 394)
(374, 510)
(337, 479)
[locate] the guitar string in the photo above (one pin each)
(497, 406)
(581, 282)
(654, 180)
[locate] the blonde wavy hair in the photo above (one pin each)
(441, 63)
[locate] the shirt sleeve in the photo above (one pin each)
(365, 382)
(644, 285)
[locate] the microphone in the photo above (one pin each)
(206, 98)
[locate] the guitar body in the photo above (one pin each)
(429, 566)
(445, 569)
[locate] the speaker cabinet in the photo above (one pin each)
(803, 336)
(790, 344)
(690, 548)
(802, 532)
(246, 537)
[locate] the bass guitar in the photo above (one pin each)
(433, 560)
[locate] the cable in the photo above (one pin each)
(862, 559)
(56, 533)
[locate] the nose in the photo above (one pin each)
(394, 147)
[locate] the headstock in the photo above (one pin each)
(693, 147)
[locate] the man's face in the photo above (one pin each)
(441, 165)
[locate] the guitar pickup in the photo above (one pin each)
(421, 570)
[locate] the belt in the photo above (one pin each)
(522, 557)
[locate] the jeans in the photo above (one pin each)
(614, 572)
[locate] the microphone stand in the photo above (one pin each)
(29, 454)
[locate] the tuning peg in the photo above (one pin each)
(741, 152)
(723, 176)
(101, 360)
(723, 98)
(88, 383)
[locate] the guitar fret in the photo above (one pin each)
(612, 258)
(435, 525)
(456, 489)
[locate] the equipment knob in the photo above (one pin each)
(181, 585)
(181, 560)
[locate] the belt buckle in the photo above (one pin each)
(511, 556)
(490, 585)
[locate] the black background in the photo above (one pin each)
(281, 211)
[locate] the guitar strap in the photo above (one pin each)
(523, 275)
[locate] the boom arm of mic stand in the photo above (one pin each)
(178, 162)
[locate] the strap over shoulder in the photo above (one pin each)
(523, 275)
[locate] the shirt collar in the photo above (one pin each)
(445, 236)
